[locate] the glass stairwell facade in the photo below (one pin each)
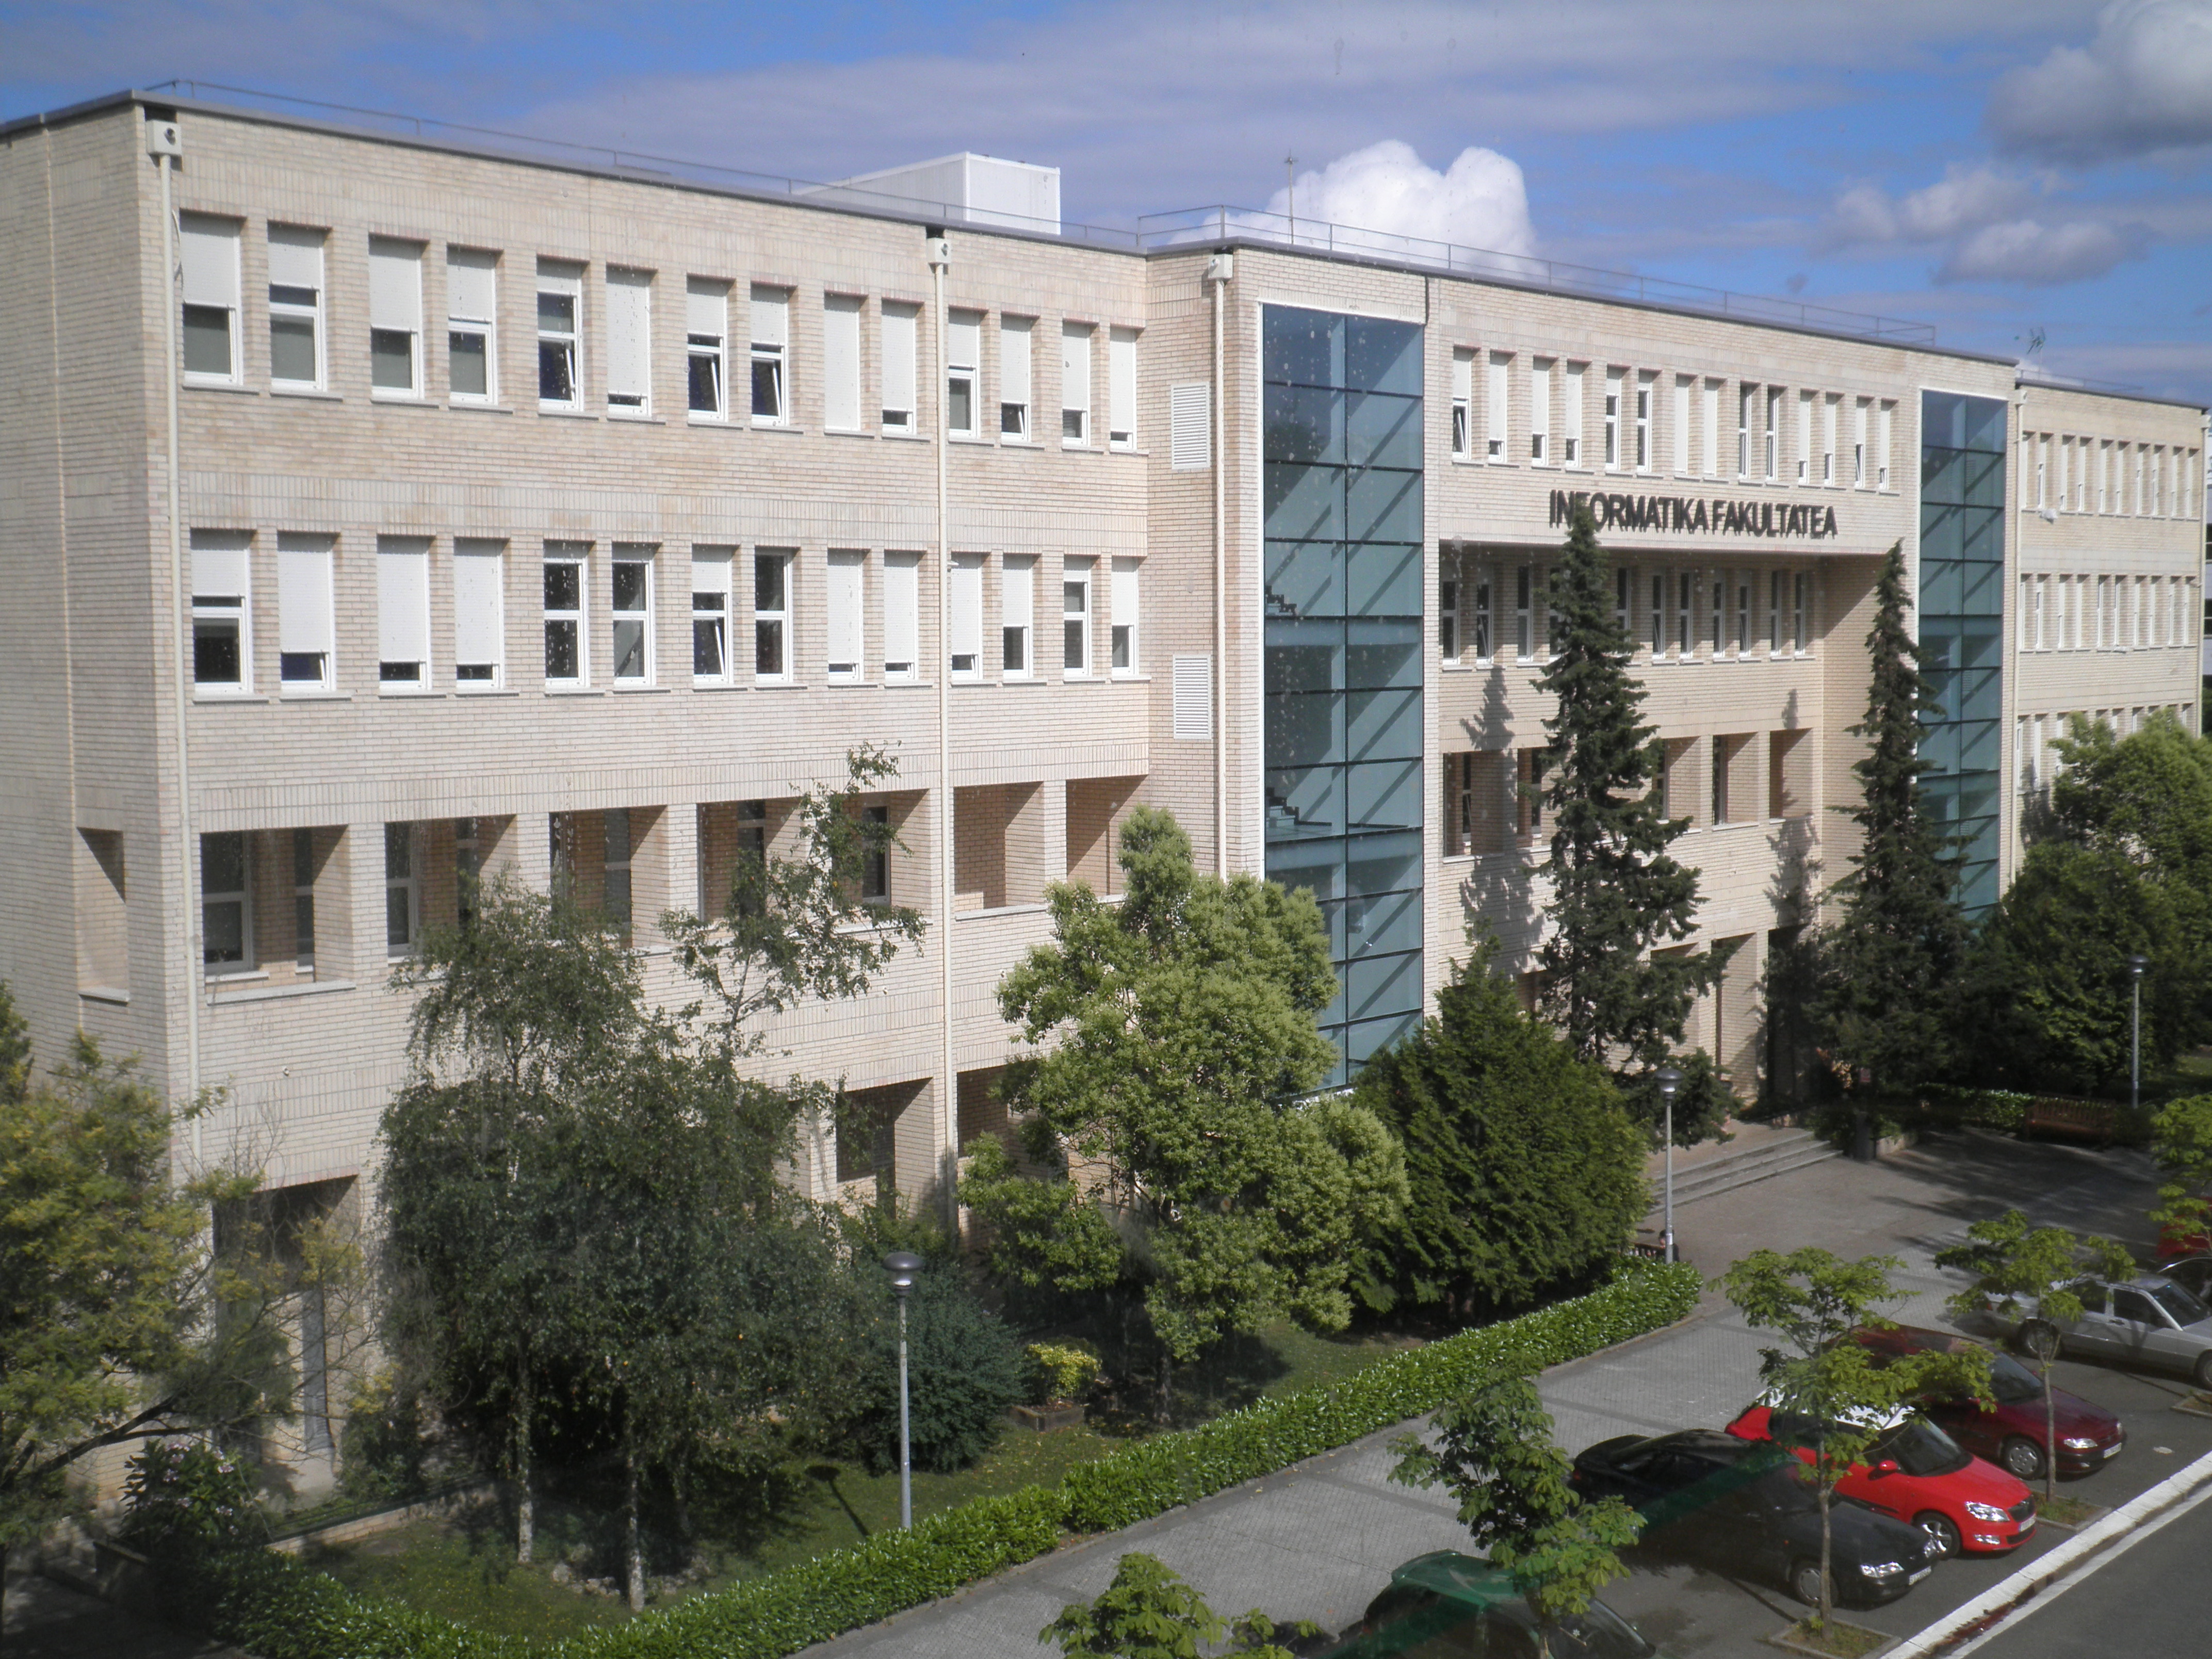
(1343, 717)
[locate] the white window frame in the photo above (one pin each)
(1805, 402)
(1886, 427)
(964, 370)
(637, 613)
(208, 254)
(1624, 601)
(1478, 582)
(1831, 417)
(1710, 409)
(1800, 614)
(1747, 401)
(1524, 614)
(1077, 342)
(479, 574)
(297, 262)
(558, 280)
(1018, 616)
(840, 363)
(902, 617)
(1686, 615)
(1016, 378)
(1773, 433)
(629, 302)
(1860, 407)
(770, 334)
(395, 313)
(1127, 637)
(1777, 580)
(1655, 619)
(1613, 380)
(1462, 398)
(245, 961)
(1539, 410)
(713, 572)
(477, 319)
(576, 619)
(1573, 416)
(227, 564)
(403, 614)
(1451, 636)
(900, 329)
(403, 883)
(1496, 410)
(966, 619)
(1076, 591)
(1685, 447)
(1120, 388)
(844, 616)
(773, 614)
(1740, 643)
(305, 613)
(707, 347)
(1645, 380)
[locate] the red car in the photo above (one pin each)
(1919, 1474)
(2012, 1432)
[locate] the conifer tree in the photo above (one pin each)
(1616, 890)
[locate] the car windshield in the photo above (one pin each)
(1920, 1448)
(2011, 1383)
(2182, 1308)
(1598, 1632)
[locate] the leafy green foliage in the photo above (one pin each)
(2181, 1141)
(1522, 1172)
(186, 1499)
(1148, 1612)
(14, 1049)
(1495, 1454)
(1181, 1030)
(965, 1367)
(384, 1450)
(1616, 890)
(1060, 1370)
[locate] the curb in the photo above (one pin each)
(1997, 1603)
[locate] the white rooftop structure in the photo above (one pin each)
(972, 189)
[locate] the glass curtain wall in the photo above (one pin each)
(1343, 453)
(1962, 584)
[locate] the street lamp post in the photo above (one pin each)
(903, 1265)
(2135, 966)
(1670, 1078)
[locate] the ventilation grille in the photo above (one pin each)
(1194, 697)
(1190, 449)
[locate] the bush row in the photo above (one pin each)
(279, 1609)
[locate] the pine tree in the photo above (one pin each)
(1888, 964)
(1616, 891)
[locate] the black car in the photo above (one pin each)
(1448, 1606)
(1739, 1505)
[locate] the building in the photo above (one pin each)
(1246, 520)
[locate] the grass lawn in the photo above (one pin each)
(465, 1568)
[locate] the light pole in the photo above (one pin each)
(1670, 1078)
(903, 1265)
(2135, 966)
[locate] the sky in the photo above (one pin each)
(2029, 176)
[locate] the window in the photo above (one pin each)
(1775, 583)
(1684, 456)
(1014, 341)
(1710, 418)
(614, 881)
(1831, 413)
(2026, 469)
(1623, 600)
(1462, 369)
(629, 342)
(844, 602)
(771, 337)
(403, 891)
(468, 866)
(1747, 399)
(1613, 419)
(1449, 636)
(1716, 615)
(1074, 384)
(965, 649)
(566, 564)
(1570, 417)
(1859, 443)
(772, 616)
(222, 620)
(1075, 617)
(295, 307)
(1774, 433)
(1888, 423)
(1124, 600)
(899, 319)
(402, 613)
(1743, 598)
(1804, 437)
(1719, 776)
(840, 363)
(471, 325)
(1644, 380)
(1501, 368)
(1121, 387)
(479, 613)
(710, 614)
(876, 856)
(1801, 593)
(303, 899)
(1017, 579)
(706, 329)
(207, 248)
(2026, 607)
(1524, 621)
(902, 614)
(1477, 600)
(1658, 614)
(631, 612)
(963, 339)
(560, 333)
(395, 316)
(1539, 410)
(303, 613)
(226, 909)
(2107, 629)
(1686, 620)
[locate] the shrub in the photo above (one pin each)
(185, 1499)
(1060, 1370)
(383, 1450)
(965, 1368)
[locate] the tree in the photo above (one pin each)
(1149, 1613)
(2181, 1142)
(1523, 1171)
(1495, 1454)
(1888, 963)
(1173, 1034)
(1616, 890)
(1845, 1393)
(2027, 1273)
(14, 1049)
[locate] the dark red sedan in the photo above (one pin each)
(2011, 1432)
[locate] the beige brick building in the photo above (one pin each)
(532, 511)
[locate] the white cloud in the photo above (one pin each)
(1479, 201)
(2142, 85)
(2028, 251)
(1979, 218)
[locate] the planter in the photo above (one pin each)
(1054, 1414)
(1838, 1640)
(2068, 1514)
(2197, 1403)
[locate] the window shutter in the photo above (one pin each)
(1014, 360)
(477, 609)
(841, 366)
(629, 333)
(219, 563)
(208, 249)
(1074, 366)
(1122, 384)
(771, 316)
(303, 593)
(901, 611)
(295, 257)
(968, 605)
(395, 285)
(1463, 375)
(846, 570)
(471, 285)
(1014, 591)
(403, 599)
(706, 308)
(1190, 418)
(898, 358)
(710, 572)
(964, 338)
(1193, 699)
(1499, 367)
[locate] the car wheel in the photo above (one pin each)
(2022, 1457)
(1942, 1534)
(1805, 1582)
(2034, 1333)
(2204, 1370)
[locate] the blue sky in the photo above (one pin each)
(2000, 168)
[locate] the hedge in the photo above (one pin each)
(279, 1608)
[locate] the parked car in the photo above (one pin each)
(2193, 1273)
(2011, 1433)
(2177, 1239)
(2149, 1322)
(1736, 1505)
(1449, 1606)
(1916, 1473)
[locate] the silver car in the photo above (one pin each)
(2148, 1321)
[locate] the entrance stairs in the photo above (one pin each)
(1758, 1152)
